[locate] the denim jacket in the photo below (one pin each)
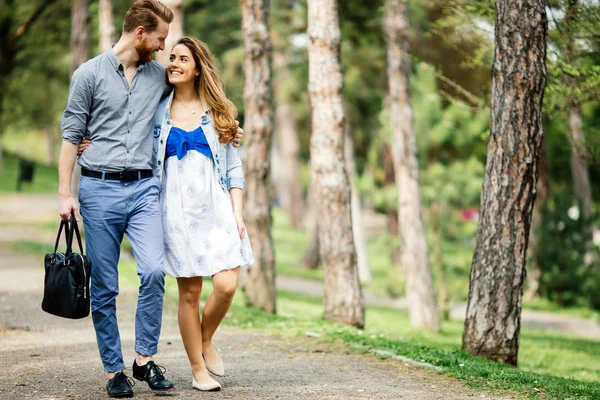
(225, 156)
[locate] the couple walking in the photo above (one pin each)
(158, 165)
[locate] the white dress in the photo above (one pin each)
(200, 231)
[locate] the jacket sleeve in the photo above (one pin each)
(235, 174)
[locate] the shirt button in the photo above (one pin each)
(159, 163)
(161, 141)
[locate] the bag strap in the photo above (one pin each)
(74, 228)
(63, 224)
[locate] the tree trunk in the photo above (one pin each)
(106, 25)
(50, 143)
(311, 258)
(358, 231)
(175, 30)
(493, 319)
(389, 179)
(414, 255)
(543, 190)
(258, 282)
(80, 53)
(579, 166)
(343, 300)
(290, 191)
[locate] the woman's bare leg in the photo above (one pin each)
(188, 316)
(217, 305)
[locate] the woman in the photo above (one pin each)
(201, 198)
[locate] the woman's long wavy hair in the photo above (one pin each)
(210, 88)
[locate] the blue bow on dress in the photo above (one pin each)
(180, 142)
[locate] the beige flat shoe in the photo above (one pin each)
(217, 368)
(206, 387)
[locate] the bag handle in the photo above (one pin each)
(63, 224)
(74, 228)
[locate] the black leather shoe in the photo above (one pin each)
(120, 386)
(153, 374)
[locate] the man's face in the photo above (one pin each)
(152, 42)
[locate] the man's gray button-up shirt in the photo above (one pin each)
(117, 117)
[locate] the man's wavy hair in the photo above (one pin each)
(146, 13)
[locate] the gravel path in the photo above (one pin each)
(46, 357)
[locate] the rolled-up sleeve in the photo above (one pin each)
(235, 173)
(73, 123)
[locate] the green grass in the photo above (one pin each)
(552, 366)
(45, 178)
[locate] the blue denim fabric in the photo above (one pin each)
(225, 156)
(111, 209)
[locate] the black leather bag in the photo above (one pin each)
(67, 281)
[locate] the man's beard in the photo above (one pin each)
(144, 53)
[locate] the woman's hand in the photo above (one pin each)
(85, 143)
(239, 219)
(237, 140)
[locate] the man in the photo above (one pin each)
(112, 101)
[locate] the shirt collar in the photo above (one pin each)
(116, 62)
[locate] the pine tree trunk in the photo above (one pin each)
(106, 25)
(579, 166)
(290, 191)
(343, 300)
(80, 53)
(543, 190)
(414, 255)
(258, 282)
(311, 258)
(358, 231)
(175, 30)
(389, 179)
(493, 319)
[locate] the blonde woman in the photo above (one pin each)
(201, 198)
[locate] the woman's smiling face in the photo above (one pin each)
(182, 67)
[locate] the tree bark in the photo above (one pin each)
(493, 319)
(343, 300)
(80, 53)
(290, 190)
(175, 30)
(311, 258)
(358, 231)
(389, 179)
(414, 254)
(258, 282)
(106, 25)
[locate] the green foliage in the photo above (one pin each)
(45, 178)
(570, 268)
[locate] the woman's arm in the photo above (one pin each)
(237, 199)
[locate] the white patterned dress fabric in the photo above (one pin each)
(201, 236)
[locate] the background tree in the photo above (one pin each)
(343, 301)
(414, 256)
(493, 320)
(12, 32)
(105, 23)
(258, 282)
(175, 30)
(80, 53)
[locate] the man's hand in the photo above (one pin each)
(66, 205)
(237, 140)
